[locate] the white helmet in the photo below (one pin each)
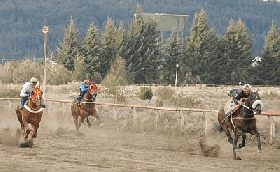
(247, 86)
(33, 80)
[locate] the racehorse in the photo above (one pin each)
(241, 121)
(31, 114)
(87, 108)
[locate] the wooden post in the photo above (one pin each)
(182, 119)
(135, 114)
(272, 128)
(206, 122)
(45, 30)
(115, 114)
(157, 118)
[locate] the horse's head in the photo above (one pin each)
(36, 96)
(92, 91)
(254, 103)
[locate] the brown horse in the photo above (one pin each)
(31, 114)
(86, 109)
(241, 121)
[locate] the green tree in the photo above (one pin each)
(117, 74)
(108, 47)
(271, 56)
(69, 47)
(142, 50)
(91, 50)
(237, 52)
(201, 49)
(173, 55)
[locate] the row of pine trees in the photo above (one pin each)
(139, 56)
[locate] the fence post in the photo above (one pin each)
(115, 114)
(272, 128)
(206, 122)
(135, 114)
(157, 118)
(182, 119)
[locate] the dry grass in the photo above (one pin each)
(164, 123)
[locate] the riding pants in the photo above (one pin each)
(230, 108)
(82, 93)
(23, 100)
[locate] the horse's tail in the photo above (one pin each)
(221, 117)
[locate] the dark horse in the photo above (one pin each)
(86, 109)
(241, 121)
(31, 114)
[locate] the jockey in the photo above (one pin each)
(26, 90)
(237, 100)
(83, 89)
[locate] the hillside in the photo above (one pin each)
(21, 21)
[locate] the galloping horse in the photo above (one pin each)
(86, 109)
(31, 113)
(241, 121)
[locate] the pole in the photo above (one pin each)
(176, 75)
(45, 30)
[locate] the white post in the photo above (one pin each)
(135, 114)
(206, 123)
(157, 118)
(182, 119)
(176, 75)
(45, 30)
(272, 128)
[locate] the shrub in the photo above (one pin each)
(146, 93)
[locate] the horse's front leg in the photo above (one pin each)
(258, 135)
(89, 124)
(25, 129)
(76, 122)
(243, 135)
(95, 114)
(259, 140)
(35, 128)
(234, 146)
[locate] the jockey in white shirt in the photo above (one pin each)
(27, 89)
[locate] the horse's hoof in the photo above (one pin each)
(237, 158)
(26, 144)
(240, 146)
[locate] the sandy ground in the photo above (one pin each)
(129, 145)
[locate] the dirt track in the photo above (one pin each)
(127, 146)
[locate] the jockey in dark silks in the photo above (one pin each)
(236, 100)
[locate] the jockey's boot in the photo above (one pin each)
(21, 103)
(79, 102)
(43, 104)
(227, 114)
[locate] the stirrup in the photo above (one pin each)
(78, 103)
